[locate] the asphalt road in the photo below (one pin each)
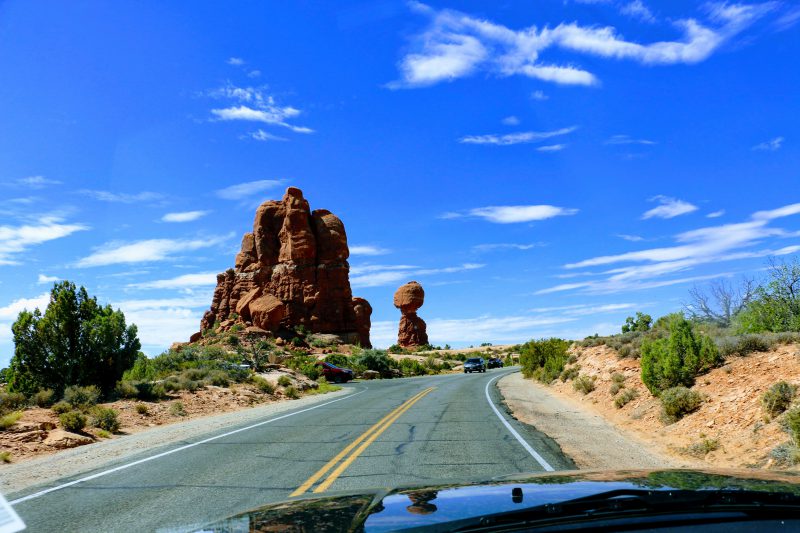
(413, 431)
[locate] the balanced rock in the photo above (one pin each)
(408, 299)
(292, 270)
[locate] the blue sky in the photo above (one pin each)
(542, 168)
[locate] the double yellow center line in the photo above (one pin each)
(345, 457)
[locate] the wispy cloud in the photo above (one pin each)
(235, 61)
(515, 138)
(34, 182)
(254, 104)
(551, 148)
(265, 136)
(456, 45)
(184, 216)
(245, 190)
(586, 309)
(379, 275)
(669, 208)
(630, 238)
(539, 95)
(17, 239)
(627, 139)
(716, 214)
(510, 121)
(510, 214)
(788, 19)
(368, 250)
(122, 198)
(638, 10)
(771, 145)
(492, 247)
(150, 250)
(163, 321)
(186, 281)
(42, 279)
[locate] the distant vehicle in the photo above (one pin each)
(495, 362)
(474, 364)
(335, 374)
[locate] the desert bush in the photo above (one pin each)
(126, 390)
(8, 420)
(5, 457)
(72, 420)
(337, 359)
(791, 423)
(623, 399)
(43, 398)
(572, 359)
(105, 418)
(743, 345)
(702, 448)
(11, 400)
(218, 378)
(376, 360)
(776, 304)
(188, 385)
(177, 409)
(677, 359)
(543, 359)
(263, 385)
(291, 392)
(778, 398)
(584, 384)
(61, 407)
(284, 381)
(676, 402)
(786, 454)
(412, 367)
(81, 397)
(569, 373)
(142, 409)
(103, 434)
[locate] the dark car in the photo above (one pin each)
(335, 374)
(495, 362)
(474, 364)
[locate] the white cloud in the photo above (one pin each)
(638, 10)
(586, 309)
(539, 95)
(457, 45)
(163, 321)
(631, 238)
(510, 214)
(186, 281)
(254, 74)
(771, 145)
(716, 214)
(9, 313)
(627, 139)
(788, 19)
(261, 135)
(379, 275)
(115, 253)
(551, 148)
(368, 250)
(510, 121)
(184, 216)
(42, 279)
(515, 138)
(254, 105)
(235, 61)
(503, 246)
(122, 198)
(244, 190)
(17, 239)
(35, 182)
(669, 208)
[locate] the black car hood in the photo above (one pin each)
(422, 507)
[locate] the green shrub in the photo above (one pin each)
(61, 407)
(702, 448)
(543, 359)
(142, 409)
(337, 359)
(126, 390)
(584, 384)
(743, 345)
(5, 457)
(792, 424)
(150, 391)
(786, 454)
(291, 392)
(311, 371)
(177, 409)
(376, 360)
(778, 398)
(103, 434)
(412, 367)
(105, 418)
(43, 398)
(263, 385)
(218, 378)
(81, 397)
(642, 322)
(570, 373)
(11, 400)
(678, 358)
(284, 381)
(6, 421)
(187, 384)
(72, 420)
(623, 399)
(676, 402)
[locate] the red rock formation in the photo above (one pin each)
(292, 270)
(409, 298)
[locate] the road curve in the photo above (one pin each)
(412, 431)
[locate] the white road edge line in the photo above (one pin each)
(179, 449)
(528, 448)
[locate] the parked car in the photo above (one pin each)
(335, 374)
(495, 362)
(474, 364)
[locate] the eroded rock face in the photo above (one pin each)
(292, 270)
(409, 298)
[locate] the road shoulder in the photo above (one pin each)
(70, 463)
(591, 441)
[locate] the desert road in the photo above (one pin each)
(385, 433)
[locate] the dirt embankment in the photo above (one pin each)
(729, 430)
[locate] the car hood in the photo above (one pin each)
(395, 509)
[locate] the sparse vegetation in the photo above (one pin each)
(5, 457)
(624, 398)
(543, 359)
(676, 402)
(72, 421)
(142, 409)
(778, 398)
(8, 420)
(791, 423)
(61, 407)
(11, 400)
(43, 398)
(105, 418)
(263, 385)
(324, 387)
(584, 384)
(570, 372)
(786, 454)
(81, 397)
(284, 381)
(291, 392)
(177, 409)
(617, 383)
(702, 448)
(103, 434)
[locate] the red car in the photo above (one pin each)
(335, 374)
